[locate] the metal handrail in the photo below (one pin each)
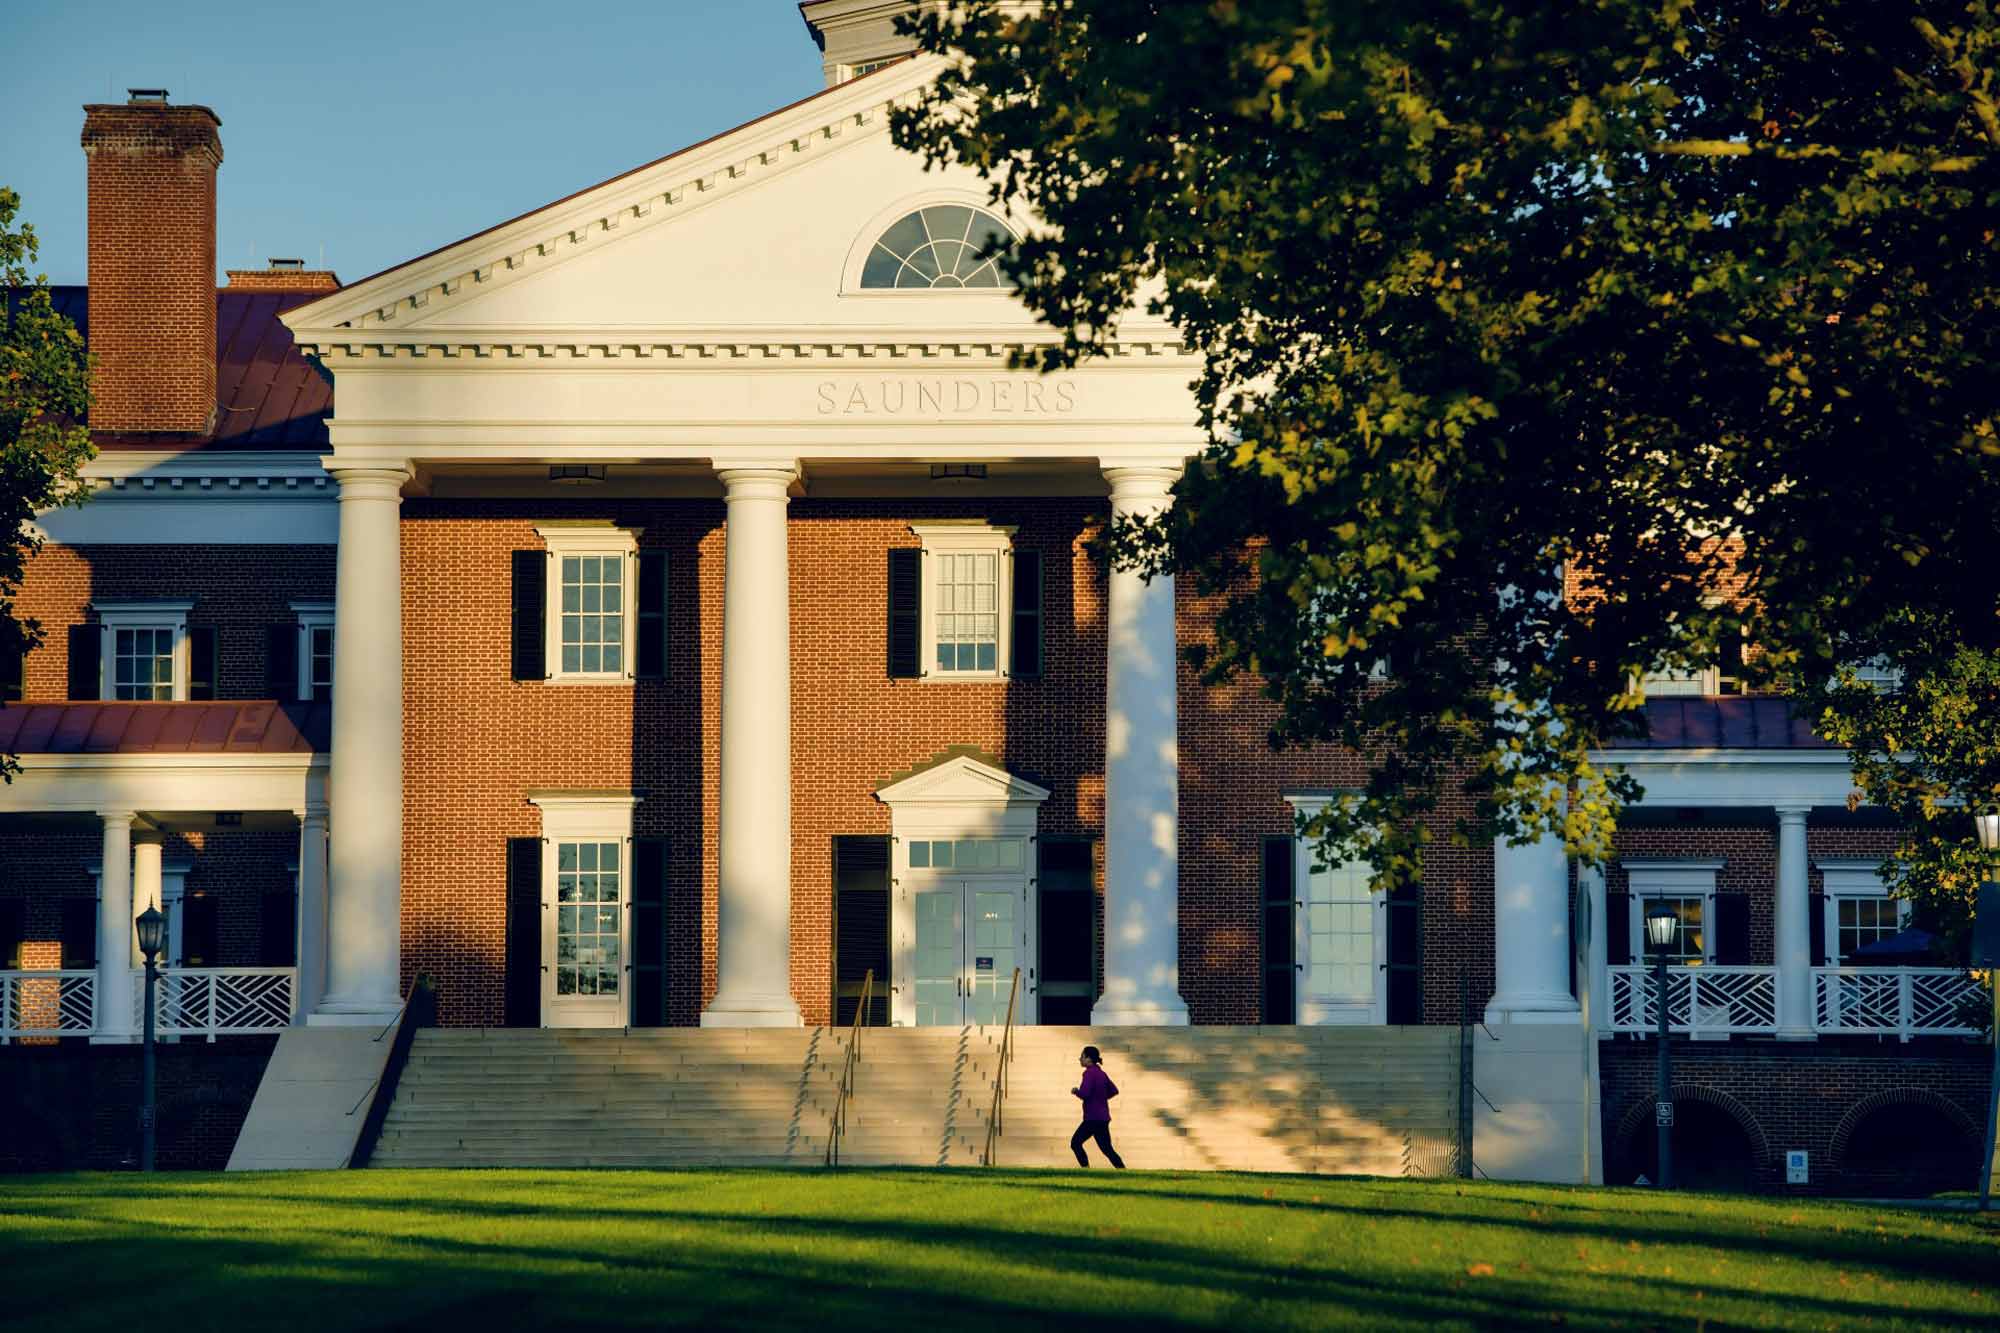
(846, 1093)
(1000, 1078)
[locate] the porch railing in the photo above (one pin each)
(216, 1002)
(1902, 1002)
(47, 1004)
(1701, 1001)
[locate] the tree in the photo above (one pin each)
(1690, 300)
(44, 396)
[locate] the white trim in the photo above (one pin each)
(1670, 877)
(966, 538)
(312, 615)
(1308, 1010)
(1735, 779)
(112, 617)
(585, 817)
(1851, 877)
(87, 783)
(567, 540)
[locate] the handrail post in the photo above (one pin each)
(1000, 1076)
(838, 1127)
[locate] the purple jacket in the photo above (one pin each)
(1097, 1090)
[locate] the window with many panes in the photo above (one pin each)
(1862, 921)
(590, 905)
(968, 590)
(315, 653)
(1859, 910)
(1690, 943)
(1685, 887)
(591, 624)
(144, 651)
(966, 854)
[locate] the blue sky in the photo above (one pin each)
(383, 130)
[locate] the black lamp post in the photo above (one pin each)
(1661, 925)
(152, 926)
(1984, 949)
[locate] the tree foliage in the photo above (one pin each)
(44, 395)
(1693, 295)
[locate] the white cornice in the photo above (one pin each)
(573, 348)
(642, 199)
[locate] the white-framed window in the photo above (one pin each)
(968, 594)
(1859, 910)
(145, 652)
(1687, 887)
(1340, 933)
(315, 648)
(938, 247)
(592, 616)
(586, 908)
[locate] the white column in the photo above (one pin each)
(1794, 928)
(1142, 905)
(309, 984)
(117, 940)
(753, 955)
(364, 898)
(1531, 934)
(1597, 952)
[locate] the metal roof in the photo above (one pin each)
(268, 394)
(1763, 723)
(257, 726)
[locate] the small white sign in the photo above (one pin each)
(1795, 1167)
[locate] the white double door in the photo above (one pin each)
(969, 936)
(1341, 942)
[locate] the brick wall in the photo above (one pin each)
(1873, 1117)
(152, 265)
(237, 589)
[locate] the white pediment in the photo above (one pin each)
(962, 781)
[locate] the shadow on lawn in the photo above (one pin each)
(598, 1265)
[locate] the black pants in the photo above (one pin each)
(1101, 1131)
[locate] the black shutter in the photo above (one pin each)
(906, 582)
(200, 931)
(86, 664)
(523, 993)
(281, 662)
(861, 925)
(1027, 646)
(1618, 929)
(201, 662)
(1066, 957)
(13, 669)
(13, 925)
(649, 930)
(1405, 968)
(1732, 929)
(1816, 927)
(653, 569)
(277, 929)
(530, 631)
(79, 932)
(1281, 979)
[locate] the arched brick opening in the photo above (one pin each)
(1906, 1141)
(1718, 1143)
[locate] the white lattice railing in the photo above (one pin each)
(1701, 1001)
(47, 1004)
(1900, 1002)
(216, 1001)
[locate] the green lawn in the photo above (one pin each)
(958, 1250)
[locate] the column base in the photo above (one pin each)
(1797, 1034)
(117, 1038)
(752, 1011)
(353, 1014)
(1545, 1008)
(1139, 1014)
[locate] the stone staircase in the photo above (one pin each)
(1380, 1101)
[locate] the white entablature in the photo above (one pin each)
(709, 306)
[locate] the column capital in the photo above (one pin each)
(115, 815)
(757, 477)
(373, 481)
(311, 812)
(1792, 814)
(1142, 479)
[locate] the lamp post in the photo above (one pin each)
(1985, 946)
(1661, 924)
(152, 926)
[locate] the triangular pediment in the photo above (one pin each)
(961, 780)
(755, 230)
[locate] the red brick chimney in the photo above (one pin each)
(152, 263)
(283, 275)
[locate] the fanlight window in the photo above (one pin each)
(946, 245)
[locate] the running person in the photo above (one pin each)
(1096, 1091)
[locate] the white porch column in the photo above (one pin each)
(1597, 951)
(1141, 779)
(117, 940)
(309, 985)
(364, 898)
(1794, 928)
(1531, 934)
(753, 955)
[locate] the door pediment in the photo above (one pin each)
(963, 781)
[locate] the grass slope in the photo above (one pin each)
(961, 1250)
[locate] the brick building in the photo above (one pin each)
(688, 610)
